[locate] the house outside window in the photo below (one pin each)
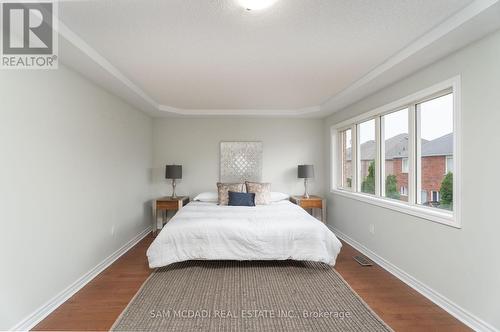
(435, 150)
(404, 165)
(366, 161)
(346, 143)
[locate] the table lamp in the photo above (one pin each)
(173, 172)
(305, 172)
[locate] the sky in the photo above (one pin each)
(436, 121)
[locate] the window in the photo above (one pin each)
(435, 197)
(404, 165)
(403, 191)
(423, 196)
(404, 155)
(434, 126)
(366, 161)
(346, 147)
(395, 151)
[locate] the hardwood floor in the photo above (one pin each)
(399, 305)
(98, 304)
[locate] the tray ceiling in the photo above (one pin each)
(201, 56)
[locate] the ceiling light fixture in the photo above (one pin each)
(256, 4)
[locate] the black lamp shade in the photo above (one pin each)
(173, 172)
(305, 171)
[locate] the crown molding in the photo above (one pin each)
(298, 112)
(341, 99)
(65, 32)
(374, 80)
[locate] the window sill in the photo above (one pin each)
(442, 217)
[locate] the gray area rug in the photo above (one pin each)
(247, 296)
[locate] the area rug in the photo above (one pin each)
(247, 296)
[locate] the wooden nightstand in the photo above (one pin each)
(313, 202)
(162, 205)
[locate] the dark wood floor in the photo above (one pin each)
(98, 304)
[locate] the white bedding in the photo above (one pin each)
(279, 231)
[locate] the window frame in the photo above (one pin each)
(449, 218)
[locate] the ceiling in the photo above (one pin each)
(213, 57)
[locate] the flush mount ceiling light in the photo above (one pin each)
(256, 4)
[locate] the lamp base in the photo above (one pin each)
(174, 196)
(306, 193)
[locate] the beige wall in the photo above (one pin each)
(74, 183)
(460, 264)
(194, 143)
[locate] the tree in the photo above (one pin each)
(391, 187)
(446, 191)
(368, 184)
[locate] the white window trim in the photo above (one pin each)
(452, 219)
(423, 212)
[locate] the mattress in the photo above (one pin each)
(279, 231)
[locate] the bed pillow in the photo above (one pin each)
(262, 192)
(224, 188)
(241, 199)
(209, 196)
(277, 196)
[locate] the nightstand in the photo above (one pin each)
(313, 202)
(162, 205)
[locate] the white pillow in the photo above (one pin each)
(277, 196)
(209, 196)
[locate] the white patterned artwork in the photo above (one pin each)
(240, 161)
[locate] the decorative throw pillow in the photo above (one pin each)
(224, 188)
(241, 199)
(262, 192)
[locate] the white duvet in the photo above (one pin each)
(279, 231)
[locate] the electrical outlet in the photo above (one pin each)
(372, 228)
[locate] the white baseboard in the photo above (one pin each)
(38, 315)
(452, 308)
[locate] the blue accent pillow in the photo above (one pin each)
(241, 199)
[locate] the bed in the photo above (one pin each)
(278, 231)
